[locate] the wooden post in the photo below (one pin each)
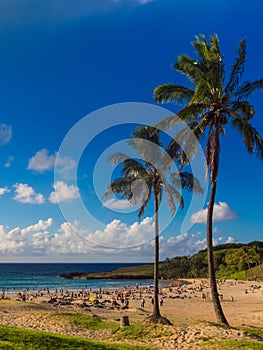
(124, 321)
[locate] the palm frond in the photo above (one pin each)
(179, 198)
(198, 128)
(141, 190)
(201, 48)
(132, 168)
(187, 140)
(243, 108)
(172, 153)
(119, 186)
(145, 201)
(170, 201)
(193, 110)
(117, 158)
(185, 115)
(147, 133)
(186, 180)
(252, 139)
(173, 194)
(172, 93)
(211, 69)
(247, 89)
(147, 143)
(169, 122)
(202, 92)
(190, 68)
(237, 69)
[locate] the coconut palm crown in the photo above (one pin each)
(214, 102)
(146, 178)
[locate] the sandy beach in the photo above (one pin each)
(188, 307)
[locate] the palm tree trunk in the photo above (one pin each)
(156, 309)
(211, 268)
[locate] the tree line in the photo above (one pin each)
(230, 261)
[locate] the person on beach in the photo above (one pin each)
(143, 303)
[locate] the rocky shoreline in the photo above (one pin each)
(104, 275)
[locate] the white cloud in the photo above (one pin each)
(230, 239)
(4, 190)
(9, 161)
(5, 134)
(40, 226)
(63, 192)
(43, 161)
(29, 241)
(26, 194)
(222, 212)
(134, 241)
(182, 244)
(117, 204)
(121, 235)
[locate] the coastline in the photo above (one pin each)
(242, 300)
(183, 305)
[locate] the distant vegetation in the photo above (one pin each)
(232, 260)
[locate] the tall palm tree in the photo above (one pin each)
(151, 170)
(212, 104)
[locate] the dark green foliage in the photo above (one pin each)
(232, 260)
(229, 259)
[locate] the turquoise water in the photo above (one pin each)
(19, 276)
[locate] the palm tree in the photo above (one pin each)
(151, 170)
(213, 103)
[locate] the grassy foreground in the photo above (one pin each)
(12, 338)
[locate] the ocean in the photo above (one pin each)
(35, 276)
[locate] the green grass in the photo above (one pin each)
(233, 345)
(142, 331)
(83, 321)
(23, 339)
(143, 271)
(256, 332)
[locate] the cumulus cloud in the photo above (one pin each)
(31, 240)
(26, 194)
(117, 239)
(121, 235)
(43, 161)
(63, 192)
(39, 226)
(5, 134)
(222, 212)
(4, 190)
(230, 239)
(9, 161)
(117, 204)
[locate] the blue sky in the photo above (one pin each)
(62, 61)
